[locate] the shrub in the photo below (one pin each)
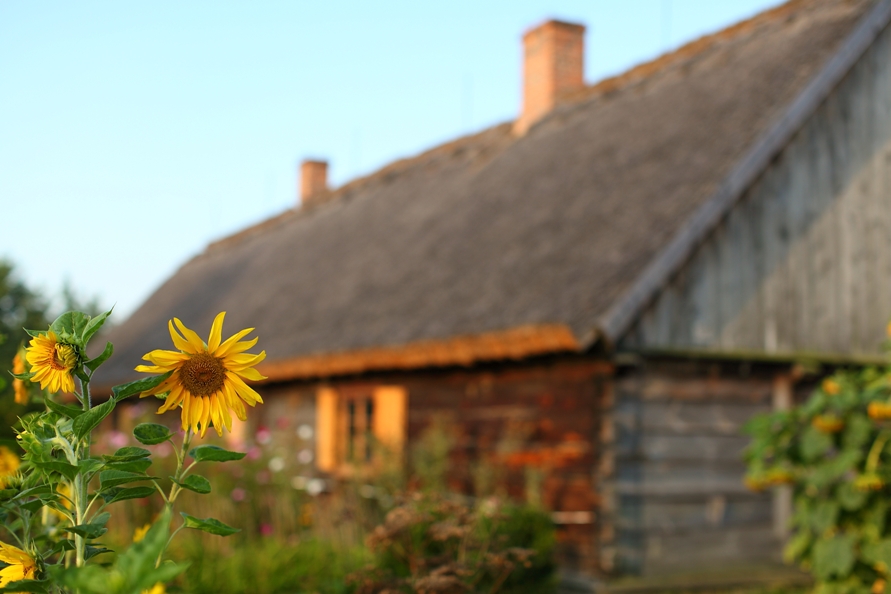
(833, 451)
(433, 543)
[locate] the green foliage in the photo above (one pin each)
(437, 543)
(834, 452)
(269, 566)
(19, 308)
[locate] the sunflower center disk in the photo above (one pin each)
(202, 374)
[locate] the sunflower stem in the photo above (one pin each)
(80, 483)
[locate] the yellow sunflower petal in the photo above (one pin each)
(216, 333)
(190, 335)
(232, 341)
(180, 342)
(162, 357)
(243, 390)
(238, 362)
(151, 369)
(250, 374)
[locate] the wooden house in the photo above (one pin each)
(598, 294)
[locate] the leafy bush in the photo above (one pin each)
(834, 452)
(434, 543)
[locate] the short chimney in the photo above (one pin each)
(313, 181)
(553, 66)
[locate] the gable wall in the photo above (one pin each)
(803, 262)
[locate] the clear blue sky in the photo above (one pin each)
(133, 133)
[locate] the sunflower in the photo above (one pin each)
(208, 379)
(51, 362)
(18, 386)
(9, 464)
(22, 566)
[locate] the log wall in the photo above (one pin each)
(672, 470)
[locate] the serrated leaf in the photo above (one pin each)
(135, 387)
(151, 433)
(128, 453)
(210, 525)
(95, 362)
(194, 482)
(212, 453)
(85, 423)
(113, 478)
(71, 412)
(121, 494)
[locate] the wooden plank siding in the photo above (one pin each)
(672, 469)
(803, 262)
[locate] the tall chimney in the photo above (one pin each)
(553, 65)
(313, 181)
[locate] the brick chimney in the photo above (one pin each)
(313, 181)
(553, 66)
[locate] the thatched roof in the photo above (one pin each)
(493, 237)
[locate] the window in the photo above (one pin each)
(352, 421)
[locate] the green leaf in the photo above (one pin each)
(194, 482)
(139, 466)
(834, 557)
(858, 432)
(92, 551)
(67, 470)
(814, 444)
(824, 516)
(30, 586)
(85, 423)
(127, 454)
(121, 494)
(22, 376)
(151, 433)
(89, 465)
(70, 326)
(113, 478)
(95, 362)
(93, 327)
(850, 498)
(208, 525)
(878, 552)
(135, 387)
(71, 412)
(212, 453)
(87, 530)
